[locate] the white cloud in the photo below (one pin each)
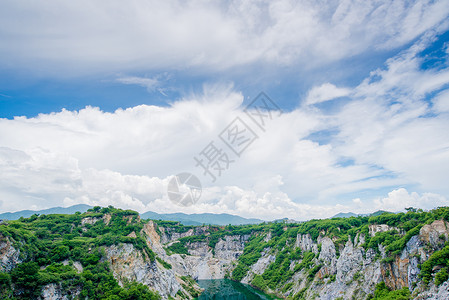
(149, 83)
(326, 92)
(400, 198)
(52, 180)
(387, 135)
(441, 102)
(211, 35)
(390, 124)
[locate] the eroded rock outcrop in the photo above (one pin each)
(55, 291)
(435, 234)
(129, 264)
(375, 228)
(203, 263)
(328, 266)
(305, 242)
(9, 256)
(231, 247)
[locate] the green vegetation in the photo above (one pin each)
(312, 272)
(382, 292)
(173, 226)
(306, 262)
(177, 247)
(283, 236)
(259, 282)
(212, 235)
(441, 276)
(49, 244)
(301, 294)
(438, 258)
(163, 263)
(188, 286)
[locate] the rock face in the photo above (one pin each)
(54, 291)
(230, 248)
(203, 263)
(169, 234)
(348, 270)
(129, 264)
(153, 238)
(349, 262)
(435, 293)
(328, 255)
(356, 270)
(404, 269)
(260, 266)
(306, 243)
(375, 228)
(9, 256)
(89, 220)
(435, 234)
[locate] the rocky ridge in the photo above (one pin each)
(353, 272)
(320, 264)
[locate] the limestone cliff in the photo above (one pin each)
(9, 256)
(319, 259)
(349, 271)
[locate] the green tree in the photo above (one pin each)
(25, 276)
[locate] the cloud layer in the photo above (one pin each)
(109, 36)
(390, 133)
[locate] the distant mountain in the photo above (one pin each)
(185, 219)
(351, 214)
(379, 212)
(199, 219)
(54, 210)
(345, 215)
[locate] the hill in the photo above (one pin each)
(345, 215)
(351, 214)
(200, 219)
(185, 219)
(108, 253)
(54, 210)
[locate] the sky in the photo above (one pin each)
(103, 102)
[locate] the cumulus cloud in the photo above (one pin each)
(399, 199)
(54, 179)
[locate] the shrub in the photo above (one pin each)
(178, 248)
(313, 271)
(441, 277)
(163, 263)
(440, 257)
(382, 292)
(259, 282)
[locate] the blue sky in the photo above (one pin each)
(101, 103)
(29, 94)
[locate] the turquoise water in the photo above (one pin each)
(228, 289)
